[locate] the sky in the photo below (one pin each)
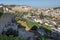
(33, 3)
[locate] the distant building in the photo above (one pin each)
(21, 8)
(1, 8)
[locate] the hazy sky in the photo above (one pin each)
(34, 3)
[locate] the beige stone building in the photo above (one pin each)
(21, 8)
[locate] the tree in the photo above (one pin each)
(41, 15)
(20, 26)
(1, 37)
(41, 38)
(12, 32)
(17, 13)
(26, 13)
(1, 14)
(10, 37)
(34, 28)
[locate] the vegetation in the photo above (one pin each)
(59, 23)
(33, 14)
(46, 16)
(20, 26)
(17, 15)
(41, 15)
(34, 28)
(46, 36)
(17, 18)
(1, 14)
(10, 37)
(31, 24)
(43, 38)
(10, 32)
(25, 13)
(47, 27)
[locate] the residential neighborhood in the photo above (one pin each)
(23, 22)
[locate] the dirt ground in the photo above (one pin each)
(24, 24)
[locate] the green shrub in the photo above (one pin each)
(41, 15)
(12, 32)
(46, 16)
(43, 38)
(20, 26)
(34, 28)
(47, 27)
(1, 14)
(31, 24)
(10, 37)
